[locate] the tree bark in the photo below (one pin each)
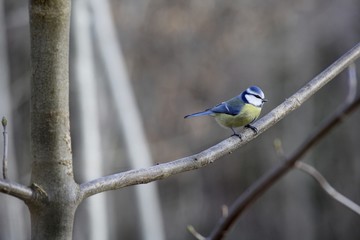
(52, 212)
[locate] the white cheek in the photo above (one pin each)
(254, 100)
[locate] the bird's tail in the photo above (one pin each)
(204, 113)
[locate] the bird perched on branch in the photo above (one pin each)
(239, 111)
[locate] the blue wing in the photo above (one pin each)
(231, 107)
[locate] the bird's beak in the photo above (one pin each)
(264, 100)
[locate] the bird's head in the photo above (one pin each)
(254, 96)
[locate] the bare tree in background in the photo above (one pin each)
(53, 195)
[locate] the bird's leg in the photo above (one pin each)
(236, 134)
(252, 128)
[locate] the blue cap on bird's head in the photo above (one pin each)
(254, 95)
(255, 90)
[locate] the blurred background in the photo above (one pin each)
(179, 57)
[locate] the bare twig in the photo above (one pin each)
(192, 230)
(5, 153)
(327, 187)
(352, 80)
(266, 181)
(16, 190)
(197, 235)
(161, 171)
(321, 180)
(225, 210)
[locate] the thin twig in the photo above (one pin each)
(5, 153)
(225, 210)
(192, 230)
(197, 235)
(352, 83)
(321, 180)
(327, 187)
(266, 181)
(11, 188)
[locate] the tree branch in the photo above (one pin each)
(197, 235)
(327, 187)
(161, 171)
(16, 190)
(5, 153)
(352, 83)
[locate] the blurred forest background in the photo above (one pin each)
(185, 56)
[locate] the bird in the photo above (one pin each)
(239, 111)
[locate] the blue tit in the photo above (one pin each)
(239, 111)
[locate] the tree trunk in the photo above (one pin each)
(52, 213)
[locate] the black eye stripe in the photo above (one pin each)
(255, 95)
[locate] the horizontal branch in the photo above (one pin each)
(208, 156)
(160, 171)
(16, 190)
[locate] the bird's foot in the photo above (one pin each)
(252, 128)
(237, 135)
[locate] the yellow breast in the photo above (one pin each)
(248, 114)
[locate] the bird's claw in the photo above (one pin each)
(237, 135)
(252, 128)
